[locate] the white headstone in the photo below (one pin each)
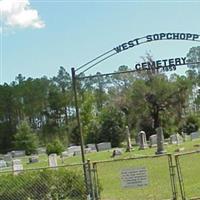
(104, 146)
(3, 164)
(142, 140)
(128, 140)
(53, 160)
(173, 139)
(153, 140)
(176, 139)
(17, 166)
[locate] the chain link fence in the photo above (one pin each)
(140, 178)
(60, 183)
(188, 171)
(153, 178)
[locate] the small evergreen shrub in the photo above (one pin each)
(55, 147)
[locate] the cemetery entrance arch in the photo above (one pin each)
(159, 64)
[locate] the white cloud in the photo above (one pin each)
(18, 13)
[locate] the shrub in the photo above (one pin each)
(191, 125)
(47, 184)
(55, 147)
(25, 139)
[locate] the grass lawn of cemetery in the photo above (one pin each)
(158, 171)
(106, 155)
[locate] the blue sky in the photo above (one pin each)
(70, 33)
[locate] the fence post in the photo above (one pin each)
(172, 176)
(90, 181)
(180, 177)
(96, 183)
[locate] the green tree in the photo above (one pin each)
(8, 116)
(25, 139)
(194, 56)
(112, 126)
(63, 81)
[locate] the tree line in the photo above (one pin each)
(142, 100)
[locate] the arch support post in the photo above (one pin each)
(74, 84)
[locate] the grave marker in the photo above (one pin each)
(128, 138)
(104, 146)
(160, 141)
(153, 140)
(53, 160)
(142, 140)
(17, 166)
(194, 135)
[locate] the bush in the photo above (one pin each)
(25, 139)
(51, 184)
(55, 147)
(191, 125)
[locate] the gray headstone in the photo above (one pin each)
(18, 153)
(74, 150)
(8, 158)
(117, 152)
(160, 141)
(142, 140)
(104, 146)
(194, 135)
(92, 147)
(88, 150)
(33, 159)
(41, 150)
(64, 154)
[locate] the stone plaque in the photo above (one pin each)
(134, 178)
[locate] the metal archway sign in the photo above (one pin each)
(192, 37)
(156, 37)
(170, 64)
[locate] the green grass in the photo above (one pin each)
(106, 155)
(158, 172)
(158, 179)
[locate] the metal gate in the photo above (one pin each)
(154, 178)
(188, 171)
